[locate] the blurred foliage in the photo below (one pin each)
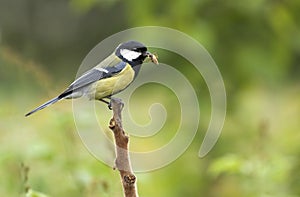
(32, 193)
(256, 45)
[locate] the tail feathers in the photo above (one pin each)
(52, 101)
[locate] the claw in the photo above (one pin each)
(109, 106)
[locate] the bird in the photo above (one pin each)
(109, 77)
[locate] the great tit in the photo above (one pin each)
(108, 77)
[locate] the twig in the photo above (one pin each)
(122, 162)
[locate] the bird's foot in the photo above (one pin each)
(106, 102)
(109, 105)
(111, 100)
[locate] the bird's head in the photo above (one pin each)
(133, 52)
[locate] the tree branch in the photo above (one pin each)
(122, 162)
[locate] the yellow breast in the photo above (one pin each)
(112, 85)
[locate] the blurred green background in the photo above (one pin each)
(256, 45)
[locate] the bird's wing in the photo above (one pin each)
(113, 66)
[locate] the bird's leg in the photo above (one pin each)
(107, 102)
(104, 101)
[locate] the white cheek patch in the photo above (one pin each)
(130, 55)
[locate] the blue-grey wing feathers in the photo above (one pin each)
(92, 76)
(83, 81)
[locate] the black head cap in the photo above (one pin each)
(132, 52)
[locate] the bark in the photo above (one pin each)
(122, 162)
